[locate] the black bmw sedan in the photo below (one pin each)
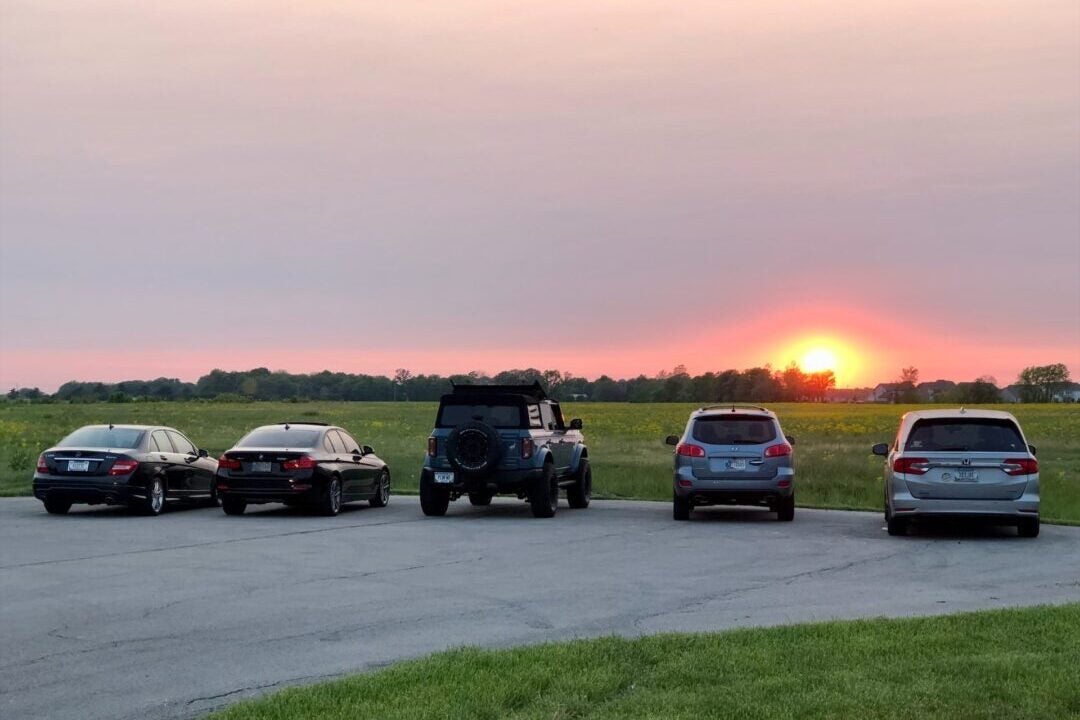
(140, 466)
(311, 464)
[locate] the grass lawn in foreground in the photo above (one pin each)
(997, 665)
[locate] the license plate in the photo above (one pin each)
(736, 464)
(260, 467)
(444, 478)
(78, 465)
(967, 475)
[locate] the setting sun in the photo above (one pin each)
(818, 359)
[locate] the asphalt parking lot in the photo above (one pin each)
(108, 615)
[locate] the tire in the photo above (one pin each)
(579, 494)
(480, 499)
(680, 507)
(233, 505)
(785, 508)
(57, 507)
(381, 498)
(434, 500)
(214, 500)
(473, 448)
(1028, 528)
(544, 493)
(330, 501)
(897, 526)
(156, 493)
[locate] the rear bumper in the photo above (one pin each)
(731, 491)
(904, 505)
(97, 491)
(503, 481)
(270, 490)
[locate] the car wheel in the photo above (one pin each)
(434, 500)
(785, 509)
(233, 505)
(155, 497)
(579, 494)
(897, 525)
(382, 495)
(544, 494)
(480, 499)
(1028, 528)
(680, 507)
(330, 502)
(214, 500)
(55, 506)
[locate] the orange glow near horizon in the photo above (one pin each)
(825, 352)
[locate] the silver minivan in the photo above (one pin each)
(960, 463)
(733, 455)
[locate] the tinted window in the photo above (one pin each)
(347, 442)
(335, 442)
(502, 416)
(159, 442)
(326, 444)
(103, 437)
(279, 437)
(962, 434)
(547, 418)
(181, 443)
(557, 411)
(734, 430)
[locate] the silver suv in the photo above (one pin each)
(734, 455)
(969, 463)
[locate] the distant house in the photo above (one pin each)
(1068, 394)
(576, 397)
(1010, 394)
(848, 395)
(884, 393)
(934, 391)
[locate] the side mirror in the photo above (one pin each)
(1032, 450)
(880, 449)
(575, 424)
(790, 440)
(203, 453)
(368, 450)
(672, 440)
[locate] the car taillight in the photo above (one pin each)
(123, 466)
(227, 463)
(527, 448)
(1021, 466)
(778, 450)
(689, 450)
(42, 466)
(432, 446)
(304, 462)
(911, 465)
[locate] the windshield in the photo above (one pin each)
(279, 437)
(960, 434)
(734, 430)
(103, 437)
(500, 416)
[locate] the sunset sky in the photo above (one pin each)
(599, 187)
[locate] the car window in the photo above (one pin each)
(496, 415)
(547, 417)
(181, 443)
(159, 442)
(557, 410)
(535, 418)
(103, 437)
(347, 441)
(734, 430)
(335, 441)
(279, 437)
(326, 443)
(964, 434)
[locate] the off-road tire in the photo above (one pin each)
(1028, 528)
(434, 500)
(474, 448)
(233, 505)
(57, 507)
(480, 499)
(544, 493)
(381, 498)
(579, 494)
(680, 507)
(785, 508)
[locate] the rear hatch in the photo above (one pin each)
(81, 462)
(735, 446)
(966, 459)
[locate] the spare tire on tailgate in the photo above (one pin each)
(473, 448)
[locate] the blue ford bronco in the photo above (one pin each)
(504, 440)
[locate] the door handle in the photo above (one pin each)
(757, 462)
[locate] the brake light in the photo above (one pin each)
(528, 447)
(304, 462)
(689, 450)
(911, 465)
(227, 463)
(778, 450)
(42, 466)
(432, 446)
(123, 466)
(1021, 466)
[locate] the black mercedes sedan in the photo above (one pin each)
(141, 466)
(302, 463)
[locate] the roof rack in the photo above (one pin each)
(733, 407)
(535, 391)
(302, 422)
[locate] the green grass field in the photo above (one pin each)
(834, 465)
(1000, 665)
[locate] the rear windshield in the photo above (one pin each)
(103, 437)
(279, 437)
(734, 430)
(961, 434)
(500, 416)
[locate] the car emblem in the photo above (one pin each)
(965, 461)
(260, 457)
(946, 477)
(734, 449)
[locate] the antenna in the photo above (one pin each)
(111, 426)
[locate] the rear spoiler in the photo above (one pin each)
(534, 391)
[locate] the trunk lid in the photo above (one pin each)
(965, 476)
(81, 462)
